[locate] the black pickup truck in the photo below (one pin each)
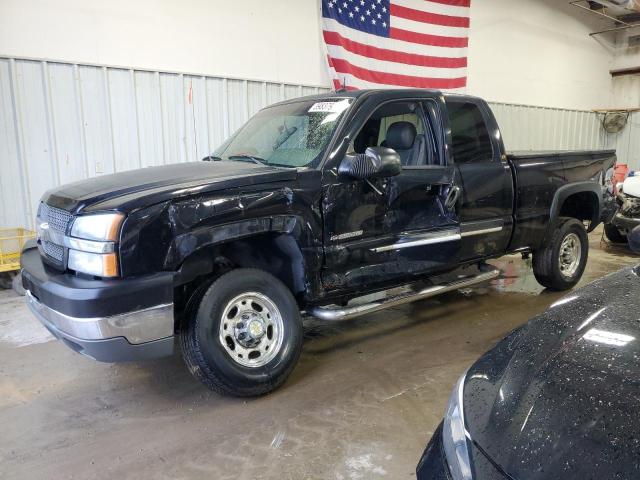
(312, 205)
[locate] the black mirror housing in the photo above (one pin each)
(375, 162)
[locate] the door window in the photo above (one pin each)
(400, 126)
(470, 139)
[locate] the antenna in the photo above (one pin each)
(343, 86)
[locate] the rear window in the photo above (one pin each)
(470, 139)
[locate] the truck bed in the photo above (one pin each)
(539, 175)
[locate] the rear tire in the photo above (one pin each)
(561, 263)
(245, 337)
(614, 234)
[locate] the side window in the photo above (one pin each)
(469, 134)
(401, 126)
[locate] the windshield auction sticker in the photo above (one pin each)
(330, 107)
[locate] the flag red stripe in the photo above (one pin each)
(428, 17)
(343, 66)
(334, 38)
(453, 3)
(426, 39)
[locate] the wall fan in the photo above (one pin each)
(614, 122)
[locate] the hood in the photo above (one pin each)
(146, 186)
(560, 396)
(631, 186)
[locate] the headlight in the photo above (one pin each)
(92, 244)
(455, 435)
(100, 265)
(101, 227)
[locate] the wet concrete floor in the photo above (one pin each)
(362, 403)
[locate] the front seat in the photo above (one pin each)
(401, 136)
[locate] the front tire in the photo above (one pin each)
(561, 263)
(614, 234)
(5, 280)
(246, 336)
(16, 284)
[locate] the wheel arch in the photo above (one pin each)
(275, 244)
(580, 200)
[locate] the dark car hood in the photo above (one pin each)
(155, 184)
(560, 397)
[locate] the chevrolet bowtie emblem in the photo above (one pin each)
(42, 227)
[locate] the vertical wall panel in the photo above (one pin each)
(124, 119)
(147, 89)
(633, 154)
(173, 107)
(197, 132)
(257, 92)
(291, 91)
(33, 131)
(97, 122)
(309, 91)
(237, 104)
(12, 192)
(216, 110)
(275, 93)
(65, 111)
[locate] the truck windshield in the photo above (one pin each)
(289, 135)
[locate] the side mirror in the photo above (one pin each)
(375, 162)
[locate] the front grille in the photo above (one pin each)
(58, 221)
(56, 218)
(54, 251)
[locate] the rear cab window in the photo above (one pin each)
(470, 139)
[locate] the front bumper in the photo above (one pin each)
(625, 223)
(433, 463)
(108, 320)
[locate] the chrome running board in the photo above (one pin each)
(337, 313)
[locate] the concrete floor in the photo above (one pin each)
(361, 404)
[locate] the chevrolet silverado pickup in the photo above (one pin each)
(331, 206)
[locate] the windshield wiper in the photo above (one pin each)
(284, 135)
(252, 158)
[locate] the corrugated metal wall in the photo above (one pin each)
(540, 128)
(627, 142)
(61, 122)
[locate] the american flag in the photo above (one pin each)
(397, 43)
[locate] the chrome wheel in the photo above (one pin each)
(251, 329)
(570, 253)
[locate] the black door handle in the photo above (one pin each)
(452, 197)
